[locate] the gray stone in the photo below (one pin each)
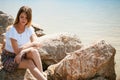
(1, 12)
(38, 30)
(6, 20)
(18, 75)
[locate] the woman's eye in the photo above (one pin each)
(23, 17)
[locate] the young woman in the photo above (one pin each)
(20, 45)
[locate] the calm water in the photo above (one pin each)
(91, 20)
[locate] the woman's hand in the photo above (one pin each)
(18, 58)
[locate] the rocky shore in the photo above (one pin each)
(64, 57)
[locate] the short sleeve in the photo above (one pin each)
(11, 33)
(31, 30)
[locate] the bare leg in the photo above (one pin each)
(35, 56)
(24, 64)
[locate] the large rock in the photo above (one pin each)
(56, 46)
(38, 30)
(95, 62)
(5, 20)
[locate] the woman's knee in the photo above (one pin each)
(34, 52)
(27, 63)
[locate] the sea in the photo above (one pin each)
(91, 20)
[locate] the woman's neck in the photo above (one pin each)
(20, 28)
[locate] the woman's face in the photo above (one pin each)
(23, 19)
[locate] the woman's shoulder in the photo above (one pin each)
(30, 28)
(9, 28)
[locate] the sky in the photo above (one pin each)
(68, 13)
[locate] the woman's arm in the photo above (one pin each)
(15, 46)
(25, 46)
(33, 43)
(33, 37)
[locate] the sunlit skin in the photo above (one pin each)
(22, 22)
(23, 19)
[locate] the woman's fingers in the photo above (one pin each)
(18, 59)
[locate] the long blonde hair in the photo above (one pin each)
(28, 12)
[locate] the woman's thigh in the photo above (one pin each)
(29, 55)
(26, 63)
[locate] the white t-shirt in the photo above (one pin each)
(22, 38)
